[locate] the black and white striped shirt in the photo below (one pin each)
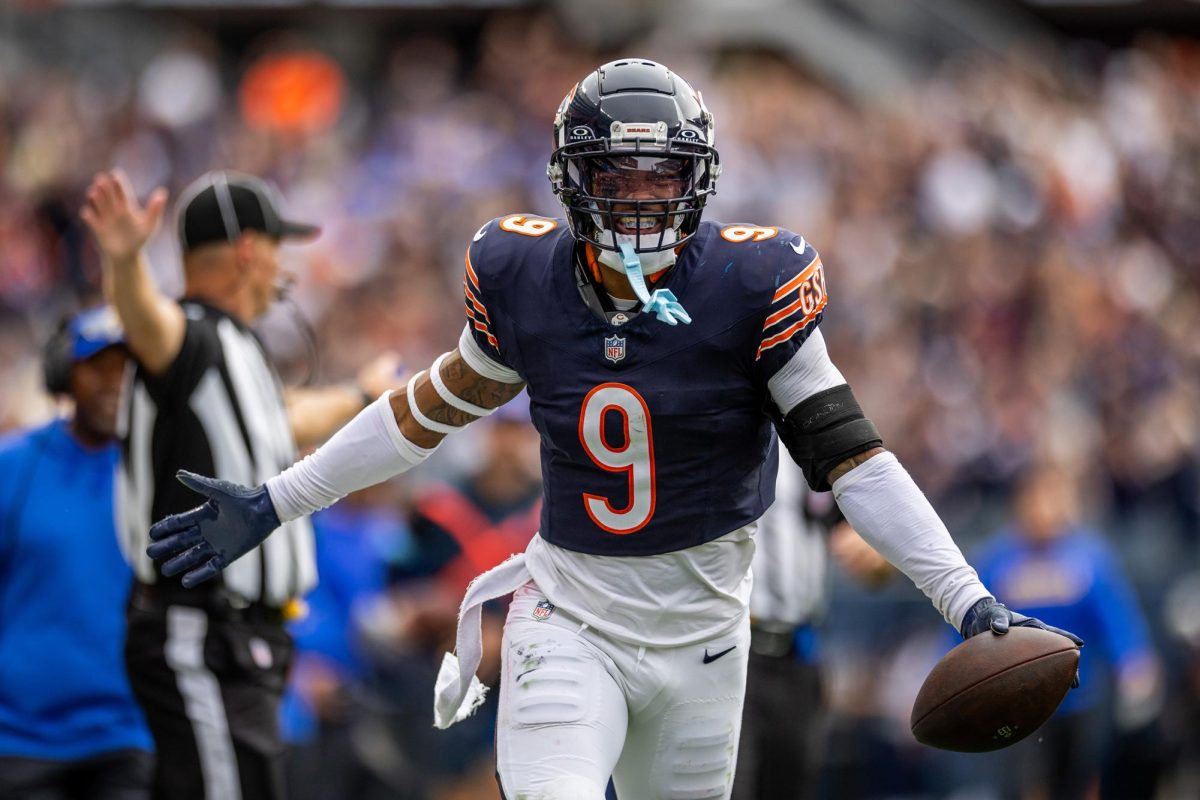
(218, 410)
(791, 556)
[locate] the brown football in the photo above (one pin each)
(992, 691)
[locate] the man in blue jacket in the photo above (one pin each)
(69, 726)
(1052, 565)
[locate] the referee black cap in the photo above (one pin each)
(219, 205)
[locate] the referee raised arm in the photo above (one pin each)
(208, 664)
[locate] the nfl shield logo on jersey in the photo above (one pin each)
(614, 348)
(544, 609)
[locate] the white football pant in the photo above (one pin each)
(577, 706)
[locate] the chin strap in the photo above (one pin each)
(661, 302)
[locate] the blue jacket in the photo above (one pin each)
(63, 587)
(1074, 582)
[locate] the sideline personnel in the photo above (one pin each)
(69, 725)
(208, 664)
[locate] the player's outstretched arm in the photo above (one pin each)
(836, 445)
(392, 435)
(852, 462)
(883, 503)
(154, 324)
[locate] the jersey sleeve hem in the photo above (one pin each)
(809, 371)
(481, 362)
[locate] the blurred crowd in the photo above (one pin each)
(1012, 248)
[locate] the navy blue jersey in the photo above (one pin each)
(654, 438)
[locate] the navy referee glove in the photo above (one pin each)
(990, 615)
(202, 542)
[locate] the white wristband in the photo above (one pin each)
(422, 420)
(369, 449)
(884, 505)
(439, 386)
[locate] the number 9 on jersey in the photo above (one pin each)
(634, 456)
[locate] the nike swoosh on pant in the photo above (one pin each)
(709, 659)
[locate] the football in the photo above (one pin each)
(992, 691)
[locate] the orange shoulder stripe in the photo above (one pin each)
(795, 282)
(479, 326)
(474, 301)
(471, 271)
(788, 332)
(767, 344)
(783, 313)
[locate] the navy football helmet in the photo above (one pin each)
(634, 159)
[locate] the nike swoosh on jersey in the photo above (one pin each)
(479, 234)
(709, 659)
(799, 248)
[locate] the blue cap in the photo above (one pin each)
(92, 331)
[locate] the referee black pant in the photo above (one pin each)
(209, 679)
(779, 755)
(120, 775)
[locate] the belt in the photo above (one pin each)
(217, 601)
(780, 641)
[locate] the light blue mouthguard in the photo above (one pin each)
(660, 302)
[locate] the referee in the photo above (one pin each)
(208, 664)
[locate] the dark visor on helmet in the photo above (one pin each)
(639, 177)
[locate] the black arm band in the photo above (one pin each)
(825, 430)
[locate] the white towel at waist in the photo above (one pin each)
(458, 692)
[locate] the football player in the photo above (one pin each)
(662, 355)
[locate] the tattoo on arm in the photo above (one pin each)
(852, 462)
(468, 385)
(464, 383)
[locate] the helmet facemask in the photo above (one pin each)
(645, 194)
(642, 200)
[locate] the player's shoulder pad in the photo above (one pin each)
(782, 283)
(773, 263)
(501, 246)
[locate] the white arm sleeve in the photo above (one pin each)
(369, 449)
(809, 371)
(481, 362)
(887, 509)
